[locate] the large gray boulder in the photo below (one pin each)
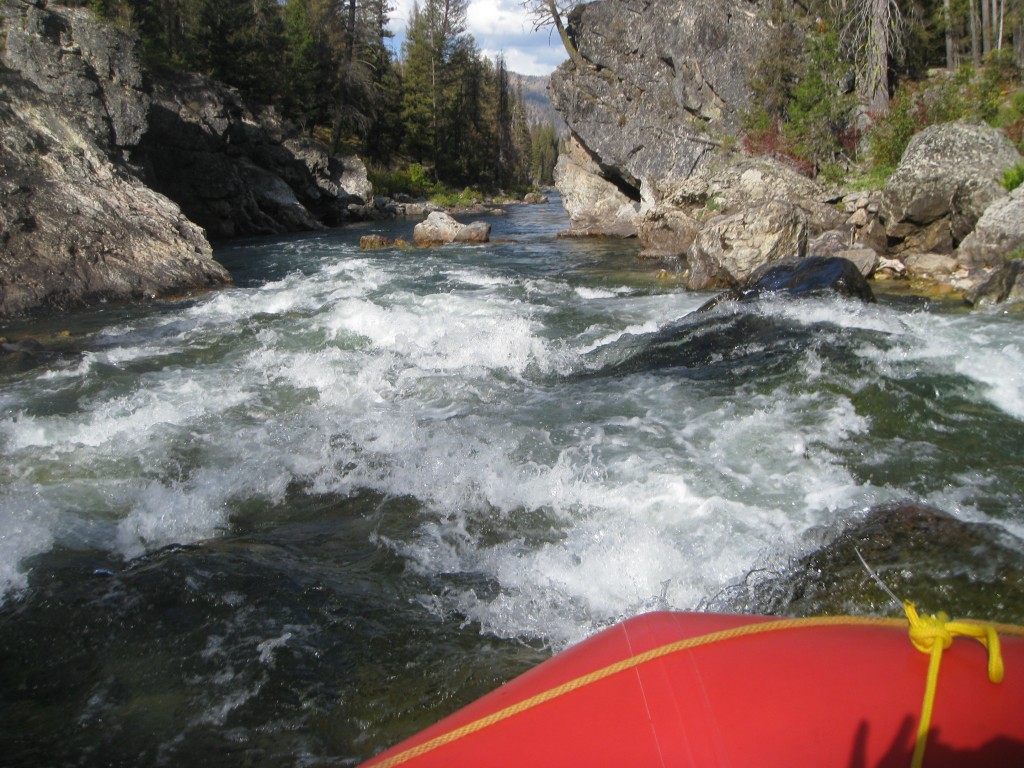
(76, 225)
(440, 228)
(999, 232)
(663, 83)
(667, 233)
(729, 248)
(730, 182)
(948, 176)
(595, 205)
(238, 171)
(92, 71)
(1004, 286)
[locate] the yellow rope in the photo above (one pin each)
(932, 635)
(967, 628)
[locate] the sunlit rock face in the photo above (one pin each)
(665, 85)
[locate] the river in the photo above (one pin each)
(291, 522)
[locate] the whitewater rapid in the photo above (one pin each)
(572, 476)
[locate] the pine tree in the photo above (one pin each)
(522, 140)
(418, 92)
(385, 136)
(302, 65)
(544, 145)
(819, 113)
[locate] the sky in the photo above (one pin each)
(499, 26)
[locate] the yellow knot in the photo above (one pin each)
(933, 635)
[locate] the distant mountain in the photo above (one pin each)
(538, 103)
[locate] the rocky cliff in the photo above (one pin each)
(238, 171)
(653, 114)
(76, 226)
(666, 82)
(112, 182)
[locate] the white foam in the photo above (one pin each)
(28, 527)
(645, 516)
(267, 647)
(585, 292)
(566, 503)
(608, 338)
(174, 399)
(1001, 370)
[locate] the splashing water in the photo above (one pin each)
(357, 466)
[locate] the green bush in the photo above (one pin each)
(1011, 119)
(415, 181)
(450, 198)
(420, 183)
(1013, 177)
(992, 95)
(891, 135)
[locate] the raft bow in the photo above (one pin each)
(693, 689)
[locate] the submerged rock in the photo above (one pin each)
(814, 274)
(920, 553)
(801, 277)
(373, 242)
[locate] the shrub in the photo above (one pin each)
(820, 118)
(450, 198)
(1013, 177)
(414, 181)
(892, 133)
(1011, 118)
(420, 183)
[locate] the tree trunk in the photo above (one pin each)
(350, 34)
(877, 86)
(999, 29)
(972, 10)
(570, 48)
(950, 49)
(986, 27)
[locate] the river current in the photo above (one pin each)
(293, 521)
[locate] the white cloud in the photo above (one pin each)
(531, 61)
(400, 16)
(498, 26)
(497, 17)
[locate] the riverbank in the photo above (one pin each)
(132, 176)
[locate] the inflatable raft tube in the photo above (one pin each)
(691, 689)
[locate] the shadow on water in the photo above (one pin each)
(305, 641)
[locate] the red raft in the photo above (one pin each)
(690, 689)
